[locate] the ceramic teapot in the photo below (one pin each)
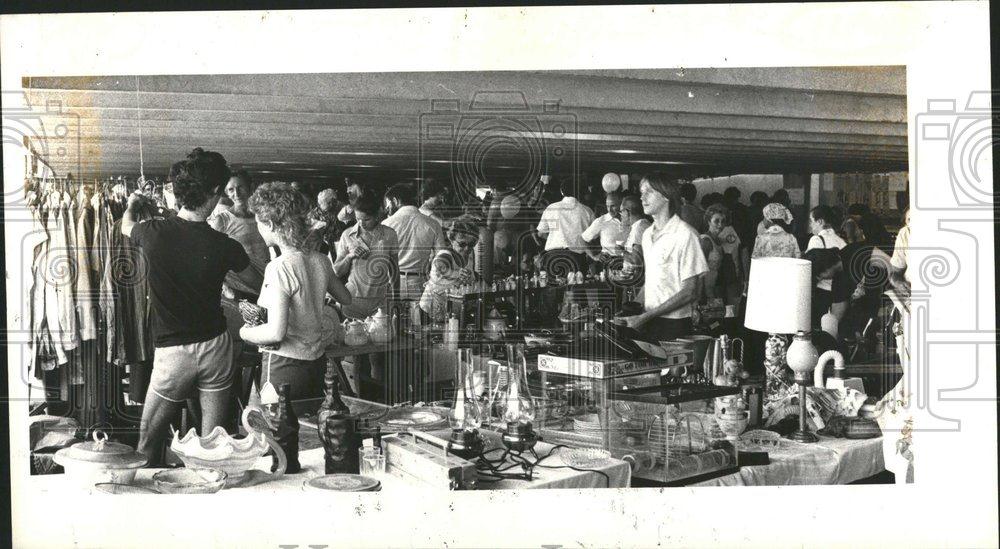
(355, 332)
(378, 327)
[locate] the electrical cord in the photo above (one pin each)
(496, 470)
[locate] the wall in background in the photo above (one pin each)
(746, 183)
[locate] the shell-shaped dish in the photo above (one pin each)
(219, 450)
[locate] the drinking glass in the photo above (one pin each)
(371, 461)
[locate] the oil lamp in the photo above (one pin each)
(466, 414)
(518, 407)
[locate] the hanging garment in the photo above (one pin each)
(48, 270)
(131, 292)
(42, 354)
(106, 301)
(86, 306)
(59, 268)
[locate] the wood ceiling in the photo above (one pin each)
(483, 125)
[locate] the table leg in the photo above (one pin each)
(601, 390)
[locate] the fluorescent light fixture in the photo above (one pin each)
(654, 162)
(351, 153)
(622, 151)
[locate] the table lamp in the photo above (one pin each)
(779, 298)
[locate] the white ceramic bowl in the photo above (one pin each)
(86, 475)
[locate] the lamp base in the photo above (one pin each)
(519, 437)
(803, 436)
(465, 444)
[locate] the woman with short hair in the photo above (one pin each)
(450, 267)
(238, 223)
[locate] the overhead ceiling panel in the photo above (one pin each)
(318, 126)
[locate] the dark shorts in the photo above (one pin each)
(305, 376)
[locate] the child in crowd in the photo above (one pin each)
(294, 294)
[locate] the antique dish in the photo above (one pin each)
(585, 458)
(233, 456)
(100, 461)
(414, 418)
(189, 480)
(343, 483)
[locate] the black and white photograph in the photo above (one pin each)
(505, 288)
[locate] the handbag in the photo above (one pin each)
(826, 262)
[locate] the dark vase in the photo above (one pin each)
(287, 430)
(337, 429)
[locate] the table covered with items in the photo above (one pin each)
(586, 403)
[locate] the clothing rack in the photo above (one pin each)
(77, 346)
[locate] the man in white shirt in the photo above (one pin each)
(610, 229)
(562, 224)
(674, 261)
(898, 278)
(419, 238)
(346, 214)
(431, 198)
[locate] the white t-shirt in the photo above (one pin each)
(564, 223)
(303, 277)
(832, 241)
(610, 230)
(432, 215)
(674, 256)
(419, 237)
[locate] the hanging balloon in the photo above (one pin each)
(611, 182)
(510, 206)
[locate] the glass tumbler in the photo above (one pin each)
(371, 462)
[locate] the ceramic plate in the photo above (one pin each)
(344, 483)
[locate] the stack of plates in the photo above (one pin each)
(588, 424)
(343, 483)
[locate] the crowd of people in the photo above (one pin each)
(310, 262)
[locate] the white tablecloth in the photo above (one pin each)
(829, 461)
(618, 472)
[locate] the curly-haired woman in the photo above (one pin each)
(294, 293)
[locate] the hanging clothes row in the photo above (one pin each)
(88, 294)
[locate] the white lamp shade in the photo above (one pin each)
(779, 296)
